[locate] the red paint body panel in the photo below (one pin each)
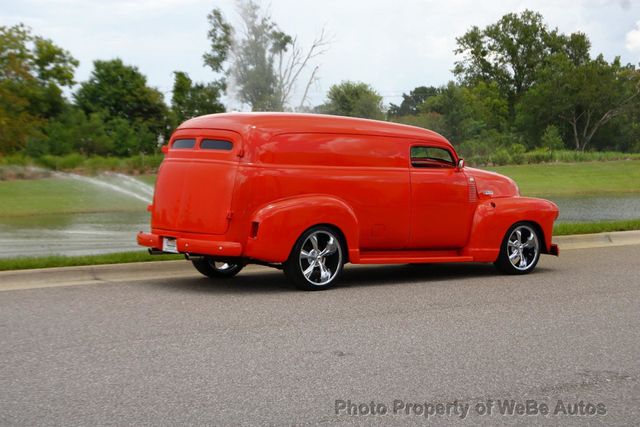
(197, 186)
(280, 174)
(284, 221)
(493, 217)
(441, 211)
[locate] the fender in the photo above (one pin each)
(278, 225)
(493, 217)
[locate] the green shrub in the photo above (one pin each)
(517, 152)
(71, 161)
(539, 156)
(566, 156)
(572, 156)
(48, 161)
(476, 148)
(17, 159)
(477, 160)
(501, 157)
(551, 139)
(98, 163)
(37, 146)
(58, 163)
(143, 163)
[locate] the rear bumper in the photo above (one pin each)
(193, 246)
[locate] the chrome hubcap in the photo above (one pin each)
(523, 247)
(222, 266)
(320, 258)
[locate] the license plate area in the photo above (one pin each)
(169, 244)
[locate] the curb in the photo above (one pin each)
(598, 240)
(88, 274)
(115, 273)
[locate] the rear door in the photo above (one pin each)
(195, 184)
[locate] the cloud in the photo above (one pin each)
(625, 4)
(392, 47)
(633, 39)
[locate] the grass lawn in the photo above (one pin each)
(149, 178)
(68, 261)
(566, 179)
(568, 228)
(54, 195)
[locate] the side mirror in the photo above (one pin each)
(460, 164)
(164, 149)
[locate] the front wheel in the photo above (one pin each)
(217, 269)
(520, 250)
(316, 260)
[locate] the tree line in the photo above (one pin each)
(518, 86)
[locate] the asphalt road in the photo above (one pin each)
(254, 351)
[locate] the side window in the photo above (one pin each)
(183, 143)
(431, 157)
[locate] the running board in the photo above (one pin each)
(411, 257)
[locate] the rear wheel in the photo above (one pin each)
(520, 249)
(217, 269)
(316, 260)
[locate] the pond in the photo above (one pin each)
(71, 234)
(70, 214)
(598, 208)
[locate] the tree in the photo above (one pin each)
(427, 120)
(33, 71)
(586, 96)
(191, 100)
(412, 101)
(512, 51)
(551, 139)
(353, 99)
(487, 106)
(119, 90)
(220, 36)
(72, 131)
(92, 134)
(264, 62)
(449, 103)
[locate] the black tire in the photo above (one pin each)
(315, 271)
(520, 253)
(209, 268)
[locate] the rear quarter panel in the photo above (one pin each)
(283, 221)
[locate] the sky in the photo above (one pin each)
(392, 45)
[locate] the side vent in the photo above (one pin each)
(255, 226)
(473, 190)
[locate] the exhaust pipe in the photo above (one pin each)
(153, 251)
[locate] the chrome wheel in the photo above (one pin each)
(320, 257)
(217, 269)
(523, 248)
(222, 266)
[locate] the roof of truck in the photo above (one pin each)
(278, 123)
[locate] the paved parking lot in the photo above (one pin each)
(255, 351)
